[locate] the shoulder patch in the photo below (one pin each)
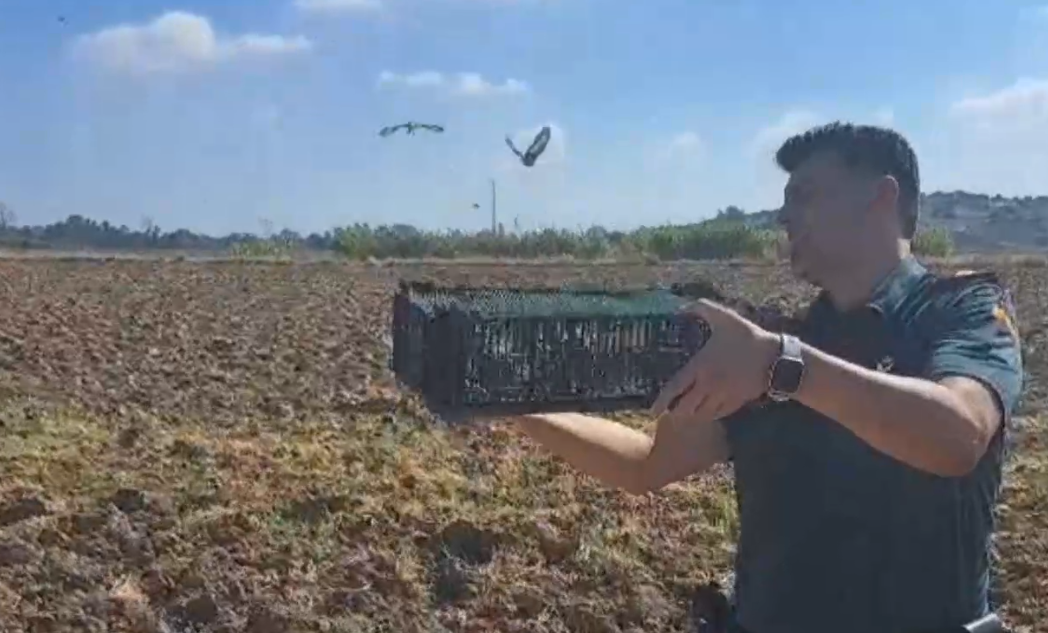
(1004, 314)
(986, 284)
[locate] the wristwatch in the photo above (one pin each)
(787, 372)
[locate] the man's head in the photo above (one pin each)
(852, 194)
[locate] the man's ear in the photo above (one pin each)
(885, 195)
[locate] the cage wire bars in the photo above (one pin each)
(490, 352)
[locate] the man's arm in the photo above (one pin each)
(943, 422)
(621, 457)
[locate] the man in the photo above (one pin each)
(867, 482)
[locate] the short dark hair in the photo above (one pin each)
(871, 148)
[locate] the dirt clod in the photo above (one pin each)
(14, 553)
(22, 510)
(129, 500)
(201, 610)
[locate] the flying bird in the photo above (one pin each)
(410, 127)
(536, 148)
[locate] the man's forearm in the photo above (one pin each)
(918, 422)
(611, 452)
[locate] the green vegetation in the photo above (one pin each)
(732, 234)
(720, 238)
(714, 239)
(268, 248)
(933, 242)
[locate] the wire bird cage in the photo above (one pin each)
(492, 352)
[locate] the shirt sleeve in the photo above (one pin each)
(977, 337)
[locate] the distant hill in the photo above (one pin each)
(989, 224)
(979, 223)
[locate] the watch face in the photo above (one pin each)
(786, 377)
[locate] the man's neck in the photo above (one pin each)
(853, 286)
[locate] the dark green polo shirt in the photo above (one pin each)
(838, 537)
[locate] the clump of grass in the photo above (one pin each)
(273, 249)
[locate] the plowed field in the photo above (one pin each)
(218, 446)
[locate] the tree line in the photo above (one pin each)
(732, 234)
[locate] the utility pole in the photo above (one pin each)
(494, 215)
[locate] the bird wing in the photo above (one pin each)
(514, 148)
(539, 144)
(431, 127)
(390, 129)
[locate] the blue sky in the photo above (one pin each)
(218, 115)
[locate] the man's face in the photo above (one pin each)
(824, 212)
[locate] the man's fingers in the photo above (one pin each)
(671, 394)
(714, 407)
(674, 389)
(697, 393)
(692, 402)
(720, 410)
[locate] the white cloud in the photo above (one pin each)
(463, 84)
(413, 80)
(995, 142)
(501, 3)
(473, 84)
(1021, 106)
(178, 41)
(681, 149)
(327, 7)
(685, 142)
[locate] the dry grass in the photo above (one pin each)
(204, 446)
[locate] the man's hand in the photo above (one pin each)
(728, 372)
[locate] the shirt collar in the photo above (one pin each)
(889, 292)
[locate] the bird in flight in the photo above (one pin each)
(534, 150)
(410, 128)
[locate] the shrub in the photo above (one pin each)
(714, 239)
(933, 242)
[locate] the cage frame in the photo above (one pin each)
(430, 354)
